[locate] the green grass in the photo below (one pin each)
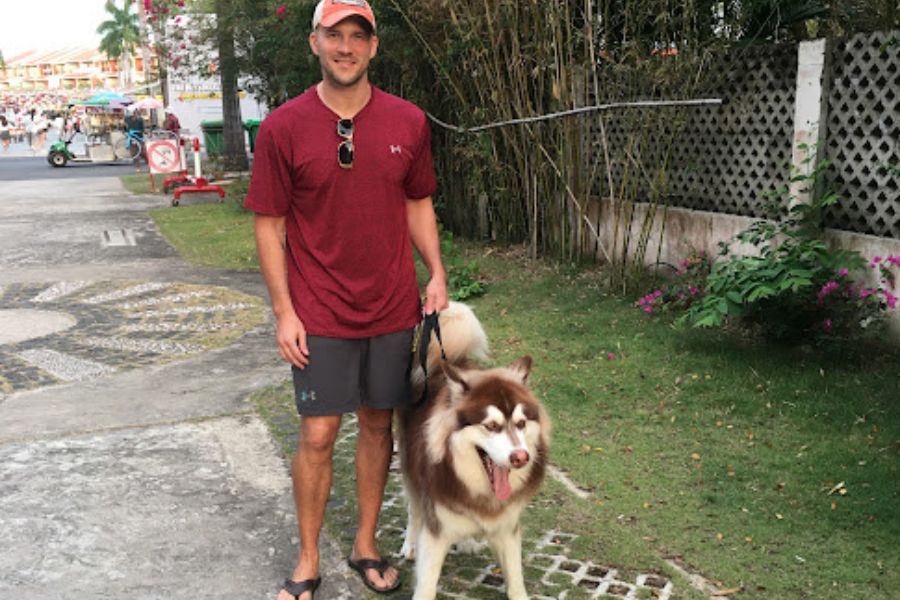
(214, 235)
(720, 450)
(717, 450)
(139, 183)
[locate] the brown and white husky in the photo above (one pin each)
(472, 454)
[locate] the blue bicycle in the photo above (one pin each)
(131, 146)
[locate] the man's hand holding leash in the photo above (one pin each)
(436, 298)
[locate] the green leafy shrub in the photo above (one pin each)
(684, 289)
(463, 280)
(794, 286)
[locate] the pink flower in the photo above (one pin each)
(890, 299)
(843, 272)
(146, 5)
(866, 292)
(280, 11)
(894, 260)
(826, 289)
(694, 291)
(876, 259)
(648, 308)
(610, 356)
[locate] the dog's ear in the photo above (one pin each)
(521, 368)
(456, 380)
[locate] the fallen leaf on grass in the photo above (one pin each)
(835, 488)
(728, 592)
(695, 456)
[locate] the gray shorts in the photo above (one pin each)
(343, 373)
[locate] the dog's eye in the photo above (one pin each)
(521, 424)
(494, 427)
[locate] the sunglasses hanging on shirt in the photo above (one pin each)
(345, 148)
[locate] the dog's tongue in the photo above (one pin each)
(502, 488)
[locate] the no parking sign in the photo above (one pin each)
(163, 156)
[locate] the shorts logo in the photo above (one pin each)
(307, 396)
(396, 149)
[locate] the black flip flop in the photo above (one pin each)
(297, 588)
(364, 564)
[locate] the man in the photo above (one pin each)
(171, 122)
(133, 121)
(342, 182)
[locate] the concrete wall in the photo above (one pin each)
(676, 231)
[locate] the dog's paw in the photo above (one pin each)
(470, 546)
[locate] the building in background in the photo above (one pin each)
(69, 69)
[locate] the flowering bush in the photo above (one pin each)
(795, 287)
(685, 287)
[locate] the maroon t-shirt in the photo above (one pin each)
(350, 264)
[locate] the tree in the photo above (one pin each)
(121, 35)
(235, 152)
(163, 20)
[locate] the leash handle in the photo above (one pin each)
(429, 324)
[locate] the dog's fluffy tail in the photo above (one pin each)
(462, 335)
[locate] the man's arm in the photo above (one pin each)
(424, 233)
(290, 335)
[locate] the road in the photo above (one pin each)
(131, 462)
(36, 168)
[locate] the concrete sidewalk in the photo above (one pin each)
(151, 477)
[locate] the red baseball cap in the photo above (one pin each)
(331, 12)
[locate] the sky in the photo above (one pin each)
(49, 24)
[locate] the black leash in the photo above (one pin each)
(429, 324)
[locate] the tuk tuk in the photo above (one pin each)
(94, 131)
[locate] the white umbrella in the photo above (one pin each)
(148, 104)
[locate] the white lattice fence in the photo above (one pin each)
(862, 133)
(723, 156)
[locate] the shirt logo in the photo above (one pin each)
(396, 149)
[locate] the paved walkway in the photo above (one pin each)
(131, 464)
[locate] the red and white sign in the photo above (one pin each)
(163, 156)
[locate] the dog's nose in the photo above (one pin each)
(518, 458)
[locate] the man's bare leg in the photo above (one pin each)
(311, 472)
(373, 458)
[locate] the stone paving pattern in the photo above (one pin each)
(551, 572)
(120, 325)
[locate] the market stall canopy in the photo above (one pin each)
(148, 104)
(111, 99)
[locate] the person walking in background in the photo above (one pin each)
(171, 122)
(28, 124)
(40, 126)
(5, 135)
(342, 183)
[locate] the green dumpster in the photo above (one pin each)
(252, 127)
(213, 136)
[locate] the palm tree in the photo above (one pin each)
(121, 35)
